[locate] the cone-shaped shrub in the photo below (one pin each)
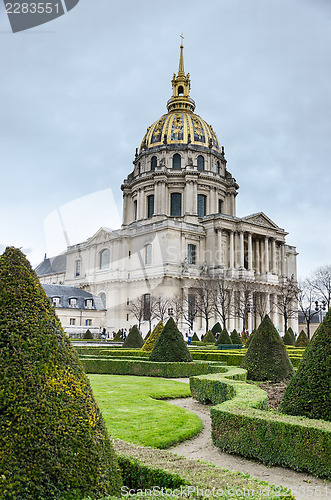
(195, 338)
(308, 393)
(150, 341)
(223, 338)
(291, 332)
(235, 337)
(244, 338)
(53, 440)
(249, 339)
(133, 340)
(209, 338)
(118, 335)
(302, 340)
(88, 335)
(170, 345)
(216, 329)
(266, 357)
(287, 339)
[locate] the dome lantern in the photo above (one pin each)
(181, 85)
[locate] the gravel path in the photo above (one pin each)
(303, 486)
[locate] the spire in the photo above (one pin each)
(181, 85)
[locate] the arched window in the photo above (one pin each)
(77, 267)
(201, 162)
(176, 204)
(153, 163)
(103, 297)
(220, 206)
(201, 205)
(104, 259)
(180, 90)
(176, 161)
(218, 168)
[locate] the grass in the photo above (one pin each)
(133, 409)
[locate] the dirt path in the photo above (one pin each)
(303, 486)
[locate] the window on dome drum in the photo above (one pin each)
(103, 297)
(135, 205)
(220, 206)
(88, 322)
(104, 259)
(153, 163)
(77, 268)
(146, 306)
(176, 204)
(176, 161)
(150, 206)
(56, 301)
(148, 254)
(180, 90)
(200, 162)
(218, 168)
(72, 321)
(88, 303)
(73, 302)
(191, 252)
(201, 205)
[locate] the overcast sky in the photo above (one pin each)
(77, 95)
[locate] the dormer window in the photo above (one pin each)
(89, 303)
(56, 301)
(73, 302)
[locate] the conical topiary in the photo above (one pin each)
(235, 337)
(266, 357)
(244, 337)
(88, 335)
(118, 336)
(223, 338)
(249, 339)
(308, 393)
(302, 340)
(291, 332)
(195, 338)
(287, 339)
(170, 345)
(133, 340)
(150, 342)
(53, 439)
(216, 329)
(209, 338)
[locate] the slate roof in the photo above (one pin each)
(52, 265)
(67, 292)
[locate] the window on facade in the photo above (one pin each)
(220, 206)
(135, 205)
(148, 254)
(72, 321)
(191, 308)
(218, 168)
(176, 204)
(191, 254)
(56, 301)
(104, 259)
(201, 205)
(88, 322)
(77, 268)
(146, 306)
(127, 301)
(139, 168)
(153, 163)
(103, 297)
(150, 206)
(73, 302)
(200, 162)
(176, 161)
(89, 303)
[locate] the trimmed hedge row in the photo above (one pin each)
(239, 425)
(232, 358)
(113, 351)
(146, 368)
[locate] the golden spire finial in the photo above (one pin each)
(181, 59)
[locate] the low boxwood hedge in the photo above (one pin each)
(141, 367)
(239, 425)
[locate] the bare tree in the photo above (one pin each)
(136, 308)
(161, 307)
(306, 301)
(176, 306)
(222, 294)
(243, 300)
(287, 295)
(320, 281)
(189, 307)
(204, 299)
(149, 309)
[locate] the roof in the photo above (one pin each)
(68, 292)
(53, 265)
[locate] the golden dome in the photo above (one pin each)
(180, 126)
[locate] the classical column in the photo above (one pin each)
(266, 254)
(195, 198)
(250, 252)
(241, 250)
(282, 259)
(231, 250)
(219, 252)
(274, 259)
(257, 256)
(267, 306)
(188, 197)
(262, 256)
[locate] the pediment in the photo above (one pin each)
(103, 234)
(260, 219)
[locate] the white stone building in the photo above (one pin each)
(180, 223)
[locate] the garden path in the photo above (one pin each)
(303, 486)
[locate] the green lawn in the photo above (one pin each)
(133, 410)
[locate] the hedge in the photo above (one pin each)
(147, 368)
(239, 425)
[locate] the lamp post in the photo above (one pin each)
(319, 307)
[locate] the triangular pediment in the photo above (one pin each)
(103, 234)
(260, 219)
